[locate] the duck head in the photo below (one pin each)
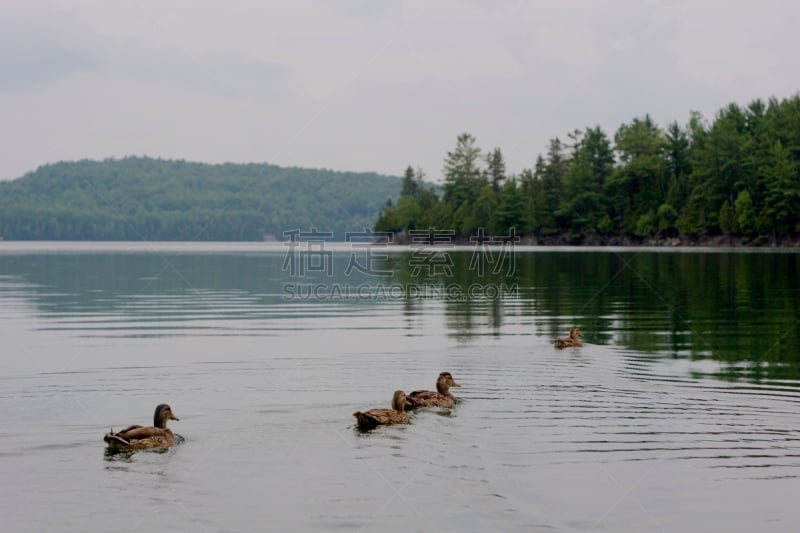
(444, 382)
(399, 401)
(162, 414)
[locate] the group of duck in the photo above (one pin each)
(159, 435)
(401, 402)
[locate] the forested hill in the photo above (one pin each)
(733, 178)
(139, 198)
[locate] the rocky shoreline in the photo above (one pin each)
(683, 241)
(720, 241)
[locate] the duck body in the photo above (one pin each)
(429, 398)
(384, 417)
(441, 397)
(139, 437)
(571, 341)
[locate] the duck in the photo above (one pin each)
(384, 417)
(140, 437)
(572, 340)
(440, 398)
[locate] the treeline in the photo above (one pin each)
(139, 198)
(737, 176)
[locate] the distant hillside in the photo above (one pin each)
(153, 199)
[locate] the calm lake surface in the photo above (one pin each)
(680, 413)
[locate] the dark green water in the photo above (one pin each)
(680, 413)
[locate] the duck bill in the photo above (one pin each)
(454, 384)
(173, 417)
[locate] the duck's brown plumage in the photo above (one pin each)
(572, 340)
(441, 397)
(384, 417)
(138, 437)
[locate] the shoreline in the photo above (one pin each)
(617, 241)
(716, 241)
(401, 243)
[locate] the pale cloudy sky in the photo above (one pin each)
(369, 85)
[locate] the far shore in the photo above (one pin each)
(401, 242)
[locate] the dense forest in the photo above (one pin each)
(152, 199)
(735, 177)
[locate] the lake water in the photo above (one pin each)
(680, 413)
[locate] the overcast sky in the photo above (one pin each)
(369, 85)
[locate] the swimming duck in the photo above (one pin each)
(572, 340)
(384, 417)
(138, 437)
(440, 398)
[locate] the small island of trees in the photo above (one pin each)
(737, 177)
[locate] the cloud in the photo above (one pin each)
(362, 85)
(37, 48)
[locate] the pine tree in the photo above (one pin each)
(462, 176)
(410, 184)
(496, 169)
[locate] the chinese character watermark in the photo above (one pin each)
(368, 256)
(486, 253)
(313, 257)
(367, 241)
(433, 260)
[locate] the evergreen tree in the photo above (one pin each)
(726, 218)
(462, 176)
(745, 223)
(552, 176)
(584, 205)
(721, 165)
(410, 185)
(676, 147)
(510, 210)
(496, 169)
(781, 213)
(478, 213)
(639, 185)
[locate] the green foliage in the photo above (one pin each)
(645, 225)
(639, 184)
(152, 199)
(605, 225)
(510, 210)
(408, 213)
(463, 179)
(737, 175)
(387, 219)
(550, 175)
(496, 169)
(726, 218)
(679, 168)
(478, 213)
(745, 215)
(666, 216)
(781, 209)
(410, 185)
